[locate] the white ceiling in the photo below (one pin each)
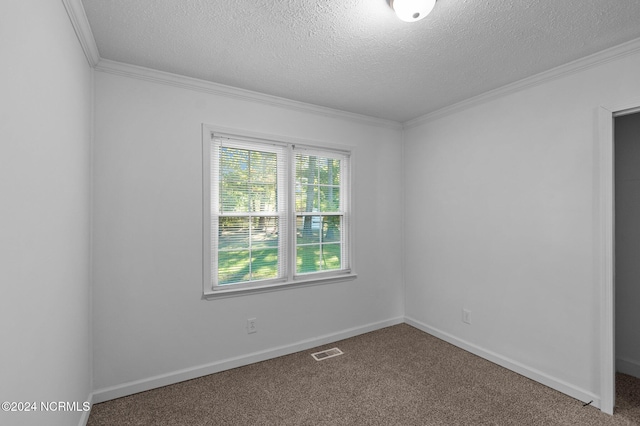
(355, 55)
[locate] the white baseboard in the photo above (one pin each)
(170, 378)
(85, 414)
(531, 373)
(627, 366)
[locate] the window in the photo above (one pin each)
(275, 214)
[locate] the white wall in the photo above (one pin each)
(45, 130)
(150, 325)
(501, 219)
(627, 191)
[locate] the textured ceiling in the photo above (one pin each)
(355, 55)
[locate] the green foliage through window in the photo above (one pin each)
(254, 229)
(248, 244)
(318, 235)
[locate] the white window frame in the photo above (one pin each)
(289, 278)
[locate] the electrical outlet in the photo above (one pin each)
(466, 316)
(252, 326)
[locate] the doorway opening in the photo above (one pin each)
(626, 141)
(612, 168)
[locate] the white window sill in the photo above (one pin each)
(301, 282)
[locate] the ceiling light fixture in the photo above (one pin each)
(412, 10)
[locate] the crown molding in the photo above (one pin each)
(190, 83)
(80, 23)
(81, 26)
(581, 64)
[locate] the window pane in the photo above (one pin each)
(264, 232)
(329, 198)
(248, 181)
(233, 233)
(233, 266)
(247, 265)
(306, 183)
(318, 236)
(262, 181)
(311, 255)
(233, 253)
(264, 264)
(323, 170)
(317, 184)
(331, 254)
(317, 258)
(331, 229)
(308, 229)
(334, 172)
(306, 198)
(305, 169)
(308, 259)
(234, 176)
(328, 171)
(247, 249)
(263, 197)
(233, 196)
(263, 167)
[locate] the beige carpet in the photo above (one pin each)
(394, 376)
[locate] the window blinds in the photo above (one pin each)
(277, 212)
(248, 211)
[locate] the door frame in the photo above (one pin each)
(606, 234)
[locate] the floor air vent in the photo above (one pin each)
(329, 353)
